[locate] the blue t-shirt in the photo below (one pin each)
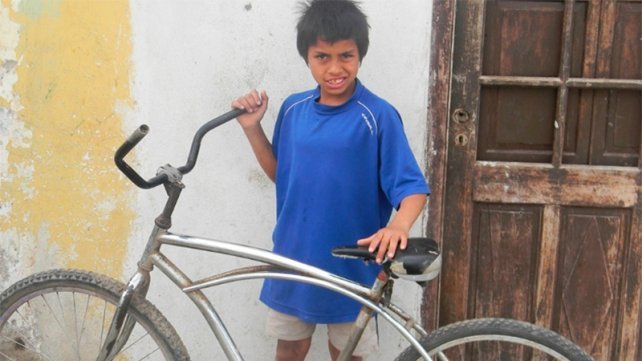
(340, 171)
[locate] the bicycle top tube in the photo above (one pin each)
(161, 178)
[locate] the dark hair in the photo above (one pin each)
(331, 21)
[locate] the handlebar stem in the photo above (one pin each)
(164, 220)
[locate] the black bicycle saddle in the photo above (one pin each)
(420, 261)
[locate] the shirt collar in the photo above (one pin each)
(323, 108)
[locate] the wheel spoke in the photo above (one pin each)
(102, 327)
(26, 345)
(139, 339)
(131, 344)
(21, 316)
(149, 354)
(24, 319)
(77, 344)
(6, 357)
(62, 311)
(53, 313)
(102, 324)
(57, 315)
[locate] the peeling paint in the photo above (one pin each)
(12, 130)
(64, 77)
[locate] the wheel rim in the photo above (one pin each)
(493, 347)
(68, 323)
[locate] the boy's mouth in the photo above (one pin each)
(336, 83)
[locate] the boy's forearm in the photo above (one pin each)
(262, 150)
(395, 235)
(409, 210)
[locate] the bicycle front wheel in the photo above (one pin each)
(65, 315)
(496, 339)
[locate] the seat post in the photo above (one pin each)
(380, 288)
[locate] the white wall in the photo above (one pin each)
(190, 59)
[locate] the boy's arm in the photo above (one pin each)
(395, 235)
(262, 150)
(255, 105)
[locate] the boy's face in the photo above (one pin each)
(334, 66)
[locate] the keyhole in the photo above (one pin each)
(460, 115)
(461, 139)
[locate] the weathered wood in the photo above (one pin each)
(500, 230)
(589, 288)
(582, 253)
(562, 92)
(553, 82)
(605, 40)
(621, 84)
(547, 268)
(502, 286)
(616, 113)
(443, 13)
(631, 305)
(465, 96)
(531, 81)
(570, 185)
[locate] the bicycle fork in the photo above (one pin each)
(122, 324)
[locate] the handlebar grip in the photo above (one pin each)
(131, 141)
(129, 172)
(138, 134)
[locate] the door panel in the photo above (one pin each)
(511, 24)
(500, 229)
(543, 176)
(616, 130)
(590, 275)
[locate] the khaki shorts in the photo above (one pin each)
(290, 328)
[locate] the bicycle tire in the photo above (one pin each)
(65, 314)
(496, 339)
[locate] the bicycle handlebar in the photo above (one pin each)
(142, 131)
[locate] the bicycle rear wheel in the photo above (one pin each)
(65, 315)
(496, 339)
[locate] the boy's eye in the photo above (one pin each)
(321, 56)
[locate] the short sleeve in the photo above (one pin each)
(276, 135)
(399, 173)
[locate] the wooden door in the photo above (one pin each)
(538, 194)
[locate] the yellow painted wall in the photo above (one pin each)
(59, 188)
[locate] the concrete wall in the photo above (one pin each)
(76, 77)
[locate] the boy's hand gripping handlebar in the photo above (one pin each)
(142, 131)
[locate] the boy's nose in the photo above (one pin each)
(334, 67)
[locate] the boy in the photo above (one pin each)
(341, 162)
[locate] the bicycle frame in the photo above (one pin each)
(274, 266)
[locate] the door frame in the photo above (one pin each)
(440, 73)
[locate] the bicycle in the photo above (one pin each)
(80, 315)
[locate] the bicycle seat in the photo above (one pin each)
(420, 261)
